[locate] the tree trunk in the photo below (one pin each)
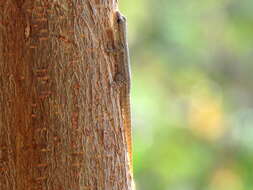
(60, 121)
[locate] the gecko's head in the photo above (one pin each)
(120, 18)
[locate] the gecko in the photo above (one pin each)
(123, 76)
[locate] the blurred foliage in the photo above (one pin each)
(192, 93)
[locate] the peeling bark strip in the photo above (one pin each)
(61, 126)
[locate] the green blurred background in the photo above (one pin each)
(192, 94)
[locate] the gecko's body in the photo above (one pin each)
(124, 76)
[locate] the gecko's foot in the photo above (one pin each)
(120, 80)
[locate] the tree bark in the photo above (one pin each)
(60, 121)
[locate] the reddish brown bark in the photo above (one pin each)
(60, 122)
